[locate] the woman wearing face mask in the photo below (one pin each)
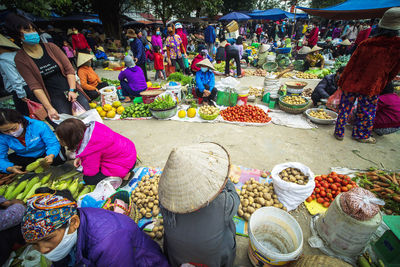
(90, 81)
(71, 236)
(205, 81)
(46, 70)
(29, 139)
(156, 39)
(175, 50)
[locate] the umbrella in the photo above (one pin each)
(235, 16)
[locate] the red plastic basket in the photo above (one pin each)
(148, 96)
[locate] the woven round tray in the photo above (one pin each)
(294, 110)
(282, 103)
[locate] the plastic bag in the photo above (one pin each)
(30, 257)
(186, 62)
(291, 195)
(77, 109)
(360, 204)
(88, 116)
(169, 69)
(36, 110)
(103, 190)
(334, 100)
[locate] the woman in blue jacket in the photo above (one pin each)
(29, 139)
(205, 81)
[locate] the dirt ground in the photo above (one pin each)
(260, 148)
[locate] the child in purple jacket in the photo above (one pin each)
(99, 150)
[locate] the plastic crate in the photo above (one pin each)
(387, 248)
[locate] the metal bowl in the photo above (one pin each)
(331, 113)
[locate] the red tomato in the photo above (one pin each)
(334, 187)
(345, 189)
(340, 175)
(326, 204)
(330, 180)
(320, 200)
(334, 173)
(313, 196)
(344, 182)
(338, 180)
(326, 199)
(324, 176)
(328, 190)
(333, 193)
(318, 178)
(318, 195)
(309, 199)
(323, 194)
(317, 190)
(329, 195)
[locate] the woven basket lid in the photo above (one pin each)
(151, 92)
(193, 176)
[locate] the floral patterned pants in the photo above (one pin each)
(364, 117)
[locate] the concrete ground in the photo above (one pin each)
(260, 148)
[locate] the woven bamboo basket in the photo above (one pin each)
(319, 260)
(294, 110)
(122, 195)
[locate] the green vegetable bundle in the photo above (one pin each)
(136, 111)
(111, 82)
(163, 102)
(179, 77)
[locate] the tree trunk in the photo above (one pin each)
(109, 14)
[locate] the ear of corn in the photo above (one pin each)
(9, 191)
(34, 165)
(31, 183)
(20, 196)
(32, 191)
(18, 189)
(3, 189)
(39, 169)
(45, 179)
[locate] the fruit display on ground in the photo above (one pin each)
(257, 92)
(207, 112)
(294, 100)
(257, 72)
(320, 114)
(327, 187)
(385, 185)
(22, 190)
(136, 111)
(255, 195)
(303, 75)
(246, 113)
(108, 111)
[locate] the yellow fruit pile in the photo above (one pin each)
(108, 110)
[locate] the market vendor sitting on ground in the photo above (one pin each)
(314, 59)
(99, 150)
(342, 49)
(262, 55)
(387, 118)
(205, 81)
(11, 213)
(89, 79)
(100, 53)
(132, 80)
(71, 236)
(302, 53)
(326, 87)
(29, 139)
(198, 205)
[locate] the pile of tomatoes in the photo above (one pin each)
(327, 187)
(246, 113)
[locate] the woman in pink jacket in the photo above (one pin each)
(100, 151)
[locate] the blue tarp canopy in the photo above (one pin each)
(235, 16)
(354, 9)
(275, 14)
(93, 18)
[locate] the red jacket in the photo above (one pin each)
(196, 60)
(183, 37)
(363, 35)
(79, 42)
(158, 61)
(387, 112)
(375, 62)
(259, 31)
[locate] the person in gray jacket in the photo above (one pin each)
(198, 204)
(13, 81)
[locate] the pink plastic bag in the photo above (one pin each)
(77, 109)
(334, 100)
(36, 110)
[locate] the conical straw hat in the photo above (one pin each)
(304, 50)
(346, 42)
(193, 177)
(205, 63)
(316, 48)
(7, 43)
(83, 58)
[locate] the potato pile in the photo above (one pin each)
(158, 230)
(307, 92)
(145, 196)
(294, 175)
(294, 100)
(255, 91)
(303, 75)
(255, 195)
(209, 110)
(320, 114)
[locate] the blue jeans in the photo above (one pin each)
(127, 91)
